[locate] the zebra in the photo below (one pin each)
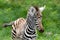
(24, 29)
(33, 21)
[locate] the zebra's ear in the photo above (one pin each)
(42, 8)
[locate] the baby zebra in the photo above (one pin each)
(33, 21)
(24, 29)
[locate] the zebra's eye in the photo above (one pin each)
(40, 17)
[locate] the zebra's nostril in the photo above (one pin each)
(41, 31)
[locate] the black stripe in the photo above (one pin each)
(27, 36)
(30, 26)
(36, 23)
(13, 37)
(14, 31)
(30, 32)
(13, 34)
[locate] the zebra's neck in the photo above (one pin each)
(30, 30)
(31, 22)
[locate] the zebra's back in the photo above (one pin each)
(17, 29)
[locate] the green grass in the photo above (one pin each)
(11, 10)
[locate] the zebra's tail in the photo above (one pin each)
(8, 24)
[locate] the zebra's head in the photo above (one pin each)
(36, 13)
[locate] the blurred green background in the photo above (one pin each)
(13, 9)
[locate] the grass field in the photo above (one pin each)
(13, 9)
